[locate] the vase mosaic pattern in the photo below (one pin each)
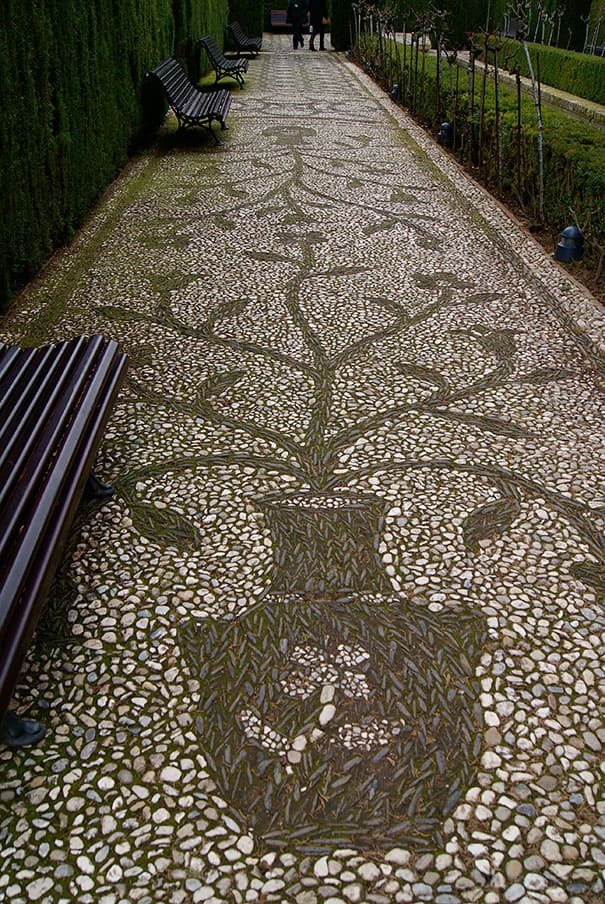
(338, 720)
(326, 543)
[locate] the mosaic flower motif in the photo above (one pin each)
(314, 672)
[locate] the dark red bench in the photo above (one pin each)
(54, 404)
(278, 19)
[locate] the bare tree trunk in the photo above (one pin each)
(536, 95)
(482, 109)
(438, 76)
(404, 70)
(416, 73)
(519, 124)
(600, 265)
(455, 129)
(498, 118)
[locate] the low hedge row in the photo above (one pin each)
(574, 151)
(581, 74)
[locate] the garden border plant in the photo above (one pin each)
(494, 133)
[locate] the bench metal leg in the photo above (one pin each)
(97, 489)
(18, 732)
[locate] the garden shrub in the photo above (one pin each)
(249, 14)
(577, 73)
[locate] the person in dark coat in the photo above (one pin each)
(297, 16)
(318, 13)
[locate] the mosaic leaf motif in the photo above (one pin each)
(219, 383)
(490, 424)
(165, 525)
(593, 575)
(500, 342)
(422, 373)
(488, 521)
(543, 375)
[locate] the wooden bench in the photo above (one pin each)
(223, 67)
(191, 106)
(243, 43)
(278, 19)
(54, 404)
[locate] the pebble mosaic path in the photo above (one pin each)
(338, 637)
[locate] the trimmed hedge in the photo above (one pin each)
(577, 73)
(249, 14)
(574, 150)
(74, 107)
(341, 24)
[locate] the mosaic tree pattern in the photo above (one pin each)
(337, 710)
(335, 608)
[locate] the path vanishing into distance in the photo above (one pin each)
(338, 637)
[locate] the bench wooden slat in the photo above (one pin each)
(56, 453)
(24, 377)
(38, 392)
(70, 389)
(191, 106)
(39, 430)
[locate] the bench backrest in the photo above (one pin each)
(175, 82)
(238, 32)
(213, 52)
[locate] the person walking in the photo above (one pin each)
(297, 16)
(318, 14)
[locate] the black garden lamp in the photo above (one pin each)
(444, 135)
(571, 245)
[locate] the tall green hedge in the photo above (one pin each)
(342, 32)
(72, 90)
(577, 73)
(249, 14)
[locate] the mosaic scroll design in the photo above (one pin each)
(335, 711)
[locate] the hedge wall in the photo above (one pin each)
(249, 14)
(72, 77)
(341, 24)
(577, 73)
(574, 150)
